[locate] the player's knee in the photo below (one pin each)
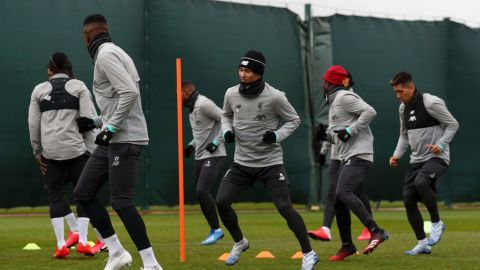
(79, 195)
(55, 197)
(421, 184)
(340, 196)
(409, 202)
(285, 210)
(200, 194)
(222, 203)
(122, 203)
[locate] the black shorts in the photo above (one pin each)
(271, 176)
(116, 163)
(432, 169)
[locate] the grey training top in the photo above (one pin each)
(54, 133)
(348, 110)
(418, 138)
(326, 146)
(117, 94)
(205, 120)
(250, 118)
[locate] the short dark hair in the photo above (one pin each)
(401, 77)
(59, 62)
(351, 83)
(95, 18)
(187, 83)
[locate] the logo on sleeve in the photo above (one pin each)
(116, 161)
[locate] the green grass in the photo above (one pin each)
(266, 230)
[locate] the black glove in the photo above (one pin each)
(229, 137)
(320, 133)
(188, 151)
(343, 135)
(104, 137)
(269, 137)
(85, 124)
(212, 147)
(322, 159)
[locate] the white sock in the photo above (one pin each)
(113, 244)
(327, 231)
(148, 257)
(83, 230)
(99, 236)
(58, 228)
(218, 230)
(72, 222)
(423, 242)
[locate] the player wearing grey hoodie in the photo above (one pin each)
(427, 127)
(349, 119)
(252, 113)
(124, 133)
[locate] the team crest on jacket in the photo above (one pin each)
(260, 104)
(260, 116)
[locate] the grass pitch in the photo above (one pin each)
(266, 230)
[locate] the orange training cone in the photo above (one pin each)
(223, 257)
(265, 255)
(297, 255)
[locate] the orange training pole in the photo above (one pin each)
(180, 160)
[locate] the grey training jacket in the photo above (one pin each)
(54, 133)
(418, 138)
(206, 123)
(250, 118)
(117, 94)
(348, 110)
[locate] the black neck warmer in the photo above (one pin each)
(331, 91)
(252, 90)
(96, 42)
(190, 103)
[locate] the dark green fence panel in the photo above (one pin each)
(32, 31)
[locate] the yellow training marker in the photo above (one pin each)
(31, 246)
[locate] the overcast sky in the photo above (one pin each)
(463, 11)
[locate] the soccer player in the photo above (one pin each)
(252, 113)
(349, 118)
(60, 148)
(427, 127)
(124, 133)
(324, 233)
(206, 122)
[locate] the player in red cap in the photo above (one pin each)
(349, 119)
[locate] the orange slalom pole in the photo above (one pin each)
(180, 161)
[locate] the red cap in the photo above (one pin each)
(335, 75)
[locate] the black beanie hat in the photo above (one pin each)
(253, 60)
